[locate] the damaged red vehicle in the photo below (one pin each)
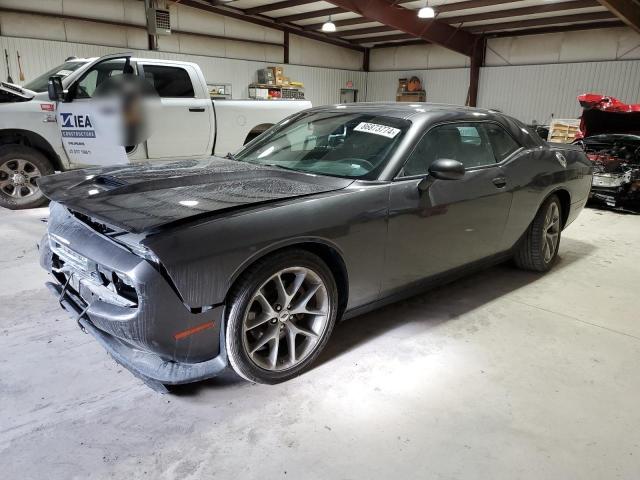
(610, 136)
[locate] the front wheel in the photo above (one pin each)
(281, 314)
(539, 246)
(20, 168)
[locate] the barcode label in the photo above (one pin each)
(376, 129)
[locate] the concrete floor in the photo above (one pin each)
(503, 375)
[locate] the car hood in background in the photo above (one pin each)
(602, 114)
(143, 197)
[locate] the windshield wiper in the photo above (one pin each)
(280, 166)
(230, 156)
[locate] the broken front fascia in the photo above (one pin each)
(610, 135)
(79, 257)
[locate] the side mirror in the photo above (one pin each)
(55, 89)
(447, 169)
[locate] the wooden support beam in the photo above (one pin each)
(560, 28)
(366, 57)
(477, 61)
(401, 44)
(457, 6)
(406, 21)
(517, 12)
(339, 23)
(539, 22)
(269, 7)
(384, 38)
(286, 48)
(627, 10)
(361, 31)
(307, 15)
(268, 23)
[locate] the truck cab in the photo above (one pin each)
(187, 123)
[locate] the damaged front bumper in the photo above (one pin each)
(616, 189)
(129, 306)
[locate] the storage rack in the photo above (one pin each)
(287, 92)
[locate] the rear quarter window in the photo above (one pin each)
(169, 82)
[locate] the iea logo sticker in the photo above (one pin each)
(79, 126)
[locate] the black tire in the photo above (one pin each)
(530, 254)
(37, 165)
(241, 299)
(251, 137)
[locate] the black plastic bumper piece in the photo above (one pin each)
(147, 366)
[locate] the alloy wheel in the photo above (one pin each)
(18, 178)
(551, 232)
(286, 319)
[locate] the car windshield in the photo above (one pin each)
(40, 84)
(353, 145)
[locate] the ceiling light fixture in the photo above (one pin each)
(426, 11)
(329, 26)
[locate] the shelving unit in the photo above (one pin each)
(260, 91)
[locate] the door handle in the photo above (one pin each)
(499, 181)
(196, 109)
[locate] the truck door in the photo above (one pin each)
(89, 136)
(183, 126)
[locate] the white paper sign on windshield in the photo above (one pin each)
(90, 133)
(374, 128)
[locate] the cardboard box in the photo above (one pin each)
(266, 77)
(277, 71)
(411, 97)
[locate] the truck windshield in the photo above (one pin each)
(40, 84)
(353, 145)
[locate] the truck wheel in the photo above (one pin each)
(20, 167)
(539, 246)
(281, 314)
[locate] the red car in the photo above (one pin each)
(610, 135)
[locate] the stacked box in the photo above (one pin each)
(266, 77)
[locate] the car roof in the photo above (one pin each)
(405, 110)
(425, 114)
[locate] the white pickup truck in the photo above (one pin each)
(190, 123)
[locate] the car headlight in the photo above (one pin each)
(132, 243)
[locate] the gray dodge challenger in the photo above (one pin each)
(183, 268)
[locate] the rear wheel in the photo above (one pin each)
(539, 246)
(281, 314)
(20, 168)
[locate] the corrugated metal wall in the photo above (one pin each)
(442, 86)
(534, 92)
(322, 85)
(527, 92)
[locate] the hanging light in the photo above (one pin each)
(426, 11)
(329, 26)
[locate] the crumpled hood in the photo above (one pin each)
(14, 93)
(143, 197)
(602, 114)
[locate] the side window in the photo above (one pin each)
(98, 74)
(171, 82)
(465, 142)
(502, 143)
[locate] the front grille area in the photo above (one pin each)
(90, 280)
(99, 227)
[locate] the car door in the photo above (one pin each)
(182, 126)
(447, 223)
